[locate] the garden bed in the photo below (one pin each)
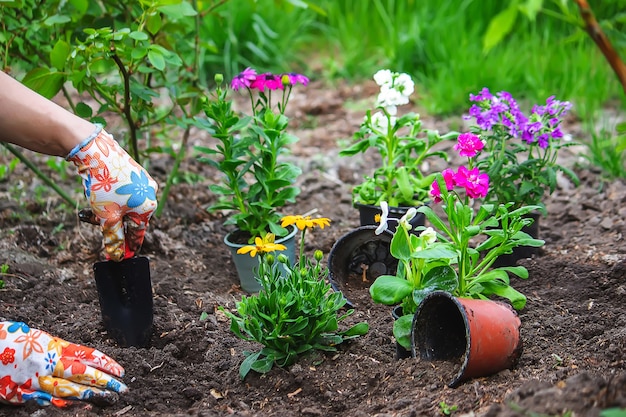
(573, 326)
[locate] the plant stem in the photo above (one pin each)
(170, 179)
(49, 182)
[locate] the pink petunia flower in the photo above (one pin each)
(476, 184)
(244, 79)
(448, 177)
(469, 144)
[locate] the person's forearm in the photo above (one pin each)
(32, 121)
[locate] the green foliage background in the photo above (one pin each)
(151, 61)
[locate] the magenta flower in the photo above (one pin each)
(448, 177)
(469, 144)
(297, 78)
(269, 81)
(476, 184)
(244, 79)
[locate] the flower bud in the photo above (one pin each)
(318, 255)
(282, 258)
(219, 79)
(285, 79)
(269, 259)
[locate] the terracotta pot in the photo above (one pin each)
(482, 335)
(521, 252)
(367, 214)
(246, 264)
(358, 258)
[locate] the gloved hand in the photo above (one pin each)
(121, 193)
(49, 370)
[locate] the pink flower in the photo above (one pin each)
(476, 184)
(243, 79)
(468, 144)
(269, 81)
(448, 177)
(297, 78)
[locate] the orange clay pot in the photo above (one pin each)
(482, 335)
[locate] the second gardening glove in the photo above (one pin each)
(121, 193)
(37, 366)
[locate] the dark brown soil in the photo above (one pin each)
(573, 326)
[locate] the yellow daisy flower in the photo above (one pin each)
(302, 222)
(262, 245)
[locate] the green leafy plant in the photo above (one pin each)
(458, 255)
(4, 270)
(518, 152)
(296, 311)
(255, 182)
(607, 151)
(402, 144)
(446, 409)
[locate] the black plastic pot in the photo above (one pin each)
(367, 214)
(358, 258)
(521, 252)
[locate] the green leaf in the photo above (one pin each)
(500, 26)
(57, 19)
(154, 23)
(80, 5)
(357, 330)
(138, 35)
(44, 81)
(59, 54)
(178, 11)
(156, 59)
(389, 289)
(246, 365)
(83, 110)
(402, 330)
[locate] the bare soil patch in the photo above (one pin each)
(573, 327)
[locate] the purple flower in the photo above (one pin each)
(244, 79)
(468, 144)
(297, 78)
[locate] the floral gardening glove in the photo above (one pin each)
(121, 193)
(49, 370)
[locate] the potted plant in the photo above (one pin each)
(518, 152)
(403, 146)
(256, 183)
(295, 312)
(459, 256)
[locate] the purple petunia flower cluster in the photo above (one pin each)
(501, 110)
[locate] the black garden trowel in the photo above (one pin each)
(125, 293)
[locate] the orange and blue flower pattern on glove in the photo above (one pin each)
(35, 366)
(121, 193)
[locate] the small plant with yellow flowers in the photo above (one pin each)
(296, 310)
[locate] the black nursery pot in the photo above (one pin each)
(521, 252)
(367, 214)
(358, 258)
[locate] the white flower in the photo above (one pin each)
(383, 77)
(381, 123)
(406, 219)
(429, 235)
(384, 207)
(404, 84)
(389, 96)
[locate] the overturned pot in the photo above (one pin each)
(358, 258)
(483, 336)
